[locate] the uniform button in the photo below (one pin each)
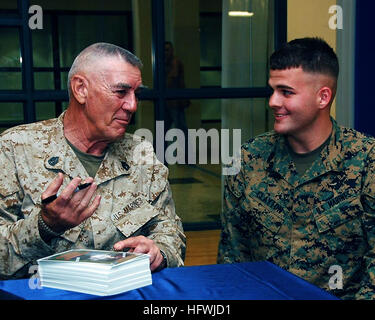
(125, 165)
(52, 161)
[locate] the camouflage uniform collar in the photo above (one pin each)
(114, 164)
(62, 158)
(332, 155)
(281, 163)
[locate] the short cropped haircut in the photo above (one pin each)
(94, 52)
(311, 54)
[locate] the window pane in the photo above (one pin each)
(252, 116)
(201, 183)
(8, 8)
(64, 80)
(43, 81)
(210, 110)
(227, 51)
(42, 44)
(210, 38)
(10, 60)
(8, 4)
(78, 32)
(65, 105)
(247, 43)
(81, 23)
(10, 53)
(202, 178)
(10, 80)
(45, 110)
(210, 78)
(11, 112)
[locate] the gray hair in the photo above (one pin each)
(99, 50)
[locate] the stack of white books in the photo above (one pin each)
(95, 272)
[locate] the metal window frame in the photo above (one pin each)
(158, 94)
(28, 95)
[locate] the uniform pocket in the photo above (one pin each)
(134, 216)
(337, 214)
(264, 211)
(264, 219)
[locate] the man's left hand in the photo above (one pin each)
(141, 244)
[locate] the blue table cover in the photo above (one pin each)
(239, 281)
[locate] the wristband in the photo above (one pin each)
(164, 264)
(45, 231)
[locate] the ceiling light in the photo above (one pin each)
(240, 13)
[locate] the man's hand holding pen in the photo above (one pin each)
(72, 206)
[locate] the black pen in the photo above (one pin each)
(54, 197)
(83, 186)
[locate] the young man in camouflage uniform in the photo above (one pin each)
(128, 205)
(304, 197)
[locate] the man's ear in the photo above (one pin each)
(78, 86)
(324, 97)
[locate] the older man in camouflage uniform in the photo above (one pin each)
(128, 205)
(304, 197)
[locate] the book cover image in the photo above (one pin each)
(102, 257)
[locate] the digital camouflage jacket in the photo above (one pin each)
(313, 225)
(135, 194)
